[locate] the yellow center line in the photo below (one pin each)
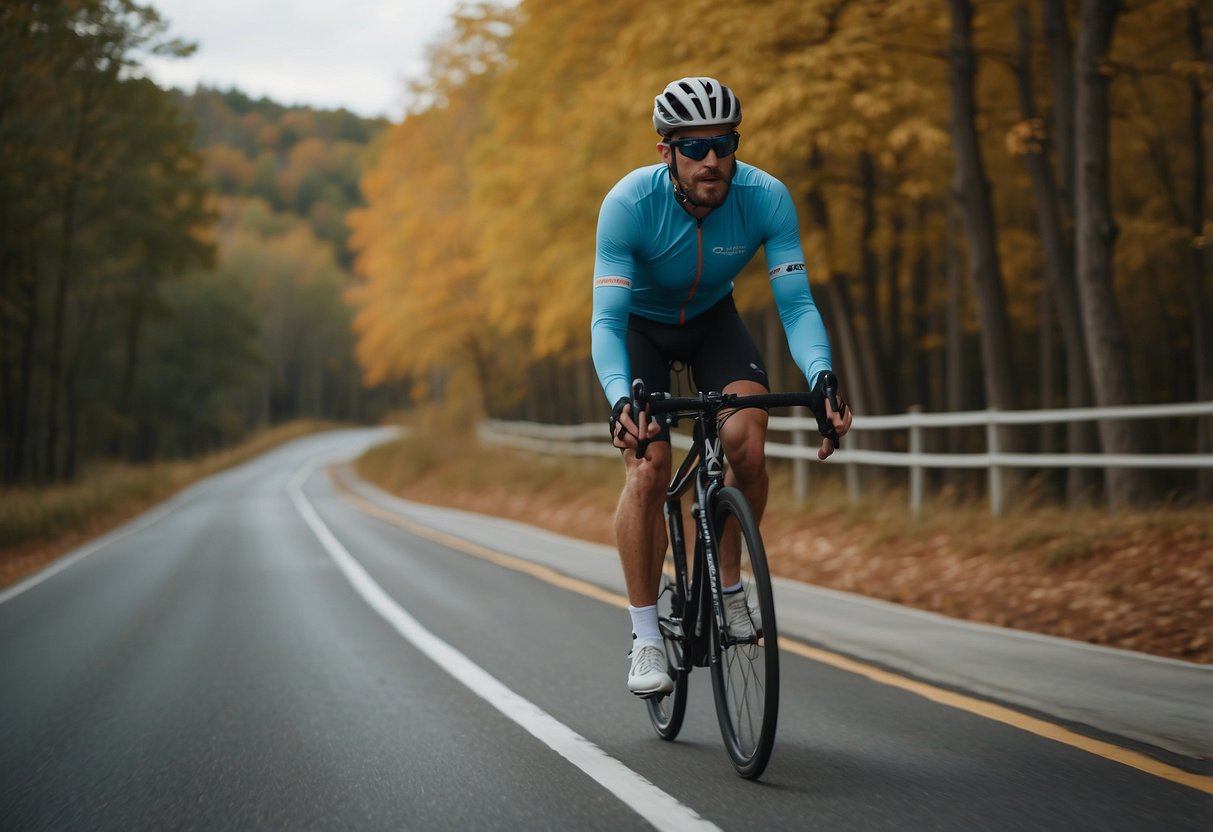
(1007, 716)
(951, 699)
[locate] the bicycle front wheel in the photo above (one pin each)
(745, 664)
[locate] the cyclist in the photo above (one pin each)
(671, 239)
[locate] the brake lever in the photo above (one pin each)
(640, 405)
(831, 391)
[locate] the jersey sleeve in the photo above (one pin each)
(614, 270)
(801, 319)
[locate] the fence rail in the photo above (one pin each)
(590, 440)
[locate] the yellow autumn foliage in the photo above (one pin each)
(478, 235)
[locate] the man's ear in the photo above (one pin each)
(664, 150)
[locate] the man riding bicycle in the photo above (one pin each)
(671, 239)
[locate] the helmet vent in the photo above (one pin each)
(694, 102)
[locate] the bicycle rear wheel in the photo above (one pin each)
(666, 712)
(745, 671)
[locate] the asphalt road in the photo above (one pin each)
(261, 653)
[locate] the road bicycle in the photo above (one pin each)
(691, 604)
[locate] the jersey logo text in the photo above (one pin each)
(785, 268)
(622, 282)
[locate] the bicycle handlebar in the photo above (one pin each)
(663, 403)
(725, 401)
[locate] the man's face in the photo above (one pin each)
(706, 181)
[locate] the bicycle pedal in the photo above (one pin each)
(754, 639)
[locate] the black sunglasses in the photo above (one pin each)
(697, 149)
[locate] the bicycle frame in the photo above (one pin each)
(703, 467)
(743, 657)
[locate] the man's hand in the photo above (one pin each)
(625, 434)
(833, 416)
(841, 423)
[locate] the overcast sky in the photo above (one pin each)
(353, 53)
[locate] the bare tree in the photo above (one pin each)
(1054, 210)
(1199, 266)
(1095, 235)
(972, 191)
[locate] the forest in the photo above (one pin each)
(1004, 204)
(173, 264)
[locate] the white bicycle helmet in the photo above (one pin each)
(694, 102)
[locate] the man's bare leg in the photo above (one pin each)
(639, 524)
(744, 437)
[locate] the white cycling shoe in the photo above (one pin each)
(745, 624)
(649, 675)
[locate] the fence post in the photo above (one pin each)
(853, 470)
(915, 468)
(995, 477)
(800, 466)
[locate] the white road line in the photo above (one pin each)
(639, 794)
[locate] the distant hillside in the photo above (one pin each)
(300, 160)
(284, 179)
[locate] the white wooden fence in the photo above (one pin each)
(590, 439)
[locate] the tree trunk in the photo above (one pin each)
(18, 460)
(1199, 266)
(919, 319)
(894, 362)
(1095, 234)
(954, 339)
(852, 375)
(481, 365)
(591, 404)
(75, 170)
(1046, 363)
(1061, 72)
(773, 348)
(972, 190)
(878, 338)
(1059, 259)
(861, 385)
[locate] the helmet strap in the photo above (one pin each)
(679, 193)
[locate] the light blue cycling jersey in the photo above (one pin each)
(657, 261)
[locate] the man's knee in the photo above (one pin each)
(747, 454)
(651, 477)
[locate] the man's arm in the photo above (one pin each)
(609, 335)
(614, 267)
(802, 323)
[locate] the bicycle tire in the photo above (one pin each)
(745, 675)
(667, 712)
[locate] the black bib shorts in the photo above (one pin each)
(716, 346)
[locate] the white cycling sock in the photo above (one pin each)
(644, 625)
(729, 590)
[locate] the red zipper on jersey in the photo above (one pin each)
(682, 313)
